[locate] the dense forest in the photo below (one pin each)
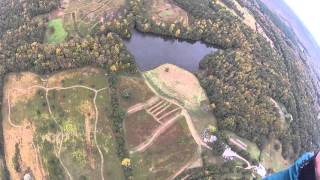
(247, 75)
(242, 80)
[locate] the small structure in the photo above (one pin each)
(261, 170)
(27, 176)
(228, 154)
(211, 139)
(207, 135)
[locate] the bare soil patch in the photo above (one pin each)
(20, 81)
(66, 134)
(169, 153)
(89, 113)
(30, 158)
(138, 127)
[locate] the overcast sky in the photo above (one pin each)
(309, 13)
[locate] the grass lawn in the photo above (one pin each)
(166, 13)
(272, 158)
(56, 32)
(252, 148)
(136, 88)
(184, 87)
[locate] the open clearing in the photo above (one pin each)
(135, 88)
(161, 133)
(81, 16)
(56, 32)
(182, 86)
(60, 126)
(168, 155)
(249, 146)
(271, 157)
(165, 11)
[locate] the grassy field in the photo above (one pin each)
(56, 32)
(171, 151)
(65, 137)
(173, 84)
(138, 127)
(272, 158)
(135, 88)
(252, 148)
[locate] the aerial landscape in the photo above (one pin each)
(155, 89)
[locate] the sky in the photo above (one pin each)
(309, 13)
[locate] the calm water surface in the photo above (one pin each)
(151, 51)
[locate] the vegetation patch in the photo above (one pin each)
(138, 127)
(132, 90)
(169, 153)
(56, 32)
(271, 157)
(67, 126)
(83, 17)
(251, 147)
(171, 81)
(164, 11)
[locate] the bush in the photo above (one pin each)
(17, 158)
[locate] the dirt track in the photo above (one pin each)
(25, 90)
(143, 146)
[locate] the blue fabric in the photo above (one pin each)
(292, 172)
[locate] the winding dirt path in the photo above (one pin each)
(185, 113)
(47, 89)
(166, 125)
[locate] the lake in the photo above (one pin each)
(151, 51)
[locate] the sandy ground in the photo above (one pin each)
(17, 88)
(20, 82)
(23, 135)
(29, 154)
